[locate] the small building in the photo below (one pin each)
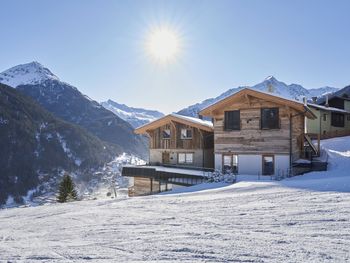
(180, 140)
(181, 152)
(330, 121)
(258, 133)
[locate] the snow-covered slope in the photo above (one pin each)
(302, 219)
(270, 84)
(135, 116)
(24, 74)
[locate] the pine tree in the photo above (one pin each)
(66, 190)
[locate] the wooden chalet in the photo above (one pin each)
(177, 142)
(259, 133)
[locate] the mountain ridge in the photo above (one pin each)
(36, 146)
(135, 116)
(68, 103)
(292, 91)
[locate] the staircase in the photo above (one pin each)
(315, 159)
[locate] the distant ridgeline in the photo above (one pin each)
(270, 84)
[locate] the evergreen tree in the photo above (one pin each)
(66, 190)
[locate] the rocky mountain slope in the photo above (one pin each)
(271, 84)
(68, 103)
(135, 116)
(35, 146)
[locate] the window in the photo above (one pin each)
(270, 118)
(337, 119)
(268, 165)
(232, 120)
(166, 134)
(325, 117)
(185, 158)
(186, 134)
(230, 163)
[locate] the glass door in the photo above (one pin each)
(268, 165)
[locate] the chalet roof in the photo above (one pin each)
(325, 108)
(191, 121)
(297, 105)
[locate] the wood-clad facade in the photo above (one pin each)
(182, 141)
(253, 147)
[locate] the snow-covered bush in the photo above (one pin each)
(218, 176)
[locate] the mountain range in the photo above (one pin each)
(270, 84)
(69, 104)
(135, 116)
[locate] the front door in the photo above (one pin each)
(268, 165)
(166, 157)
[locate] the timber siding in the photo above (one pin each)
(198, 148)
(251, 139)
(200, 139)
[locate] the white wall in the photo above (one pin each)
(281, 164)
(218, 162)
(249, 164)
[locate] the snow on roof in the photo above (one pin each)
(192, 119)
(276, 95)
(258, 91)
(198, 121)
(327, 108)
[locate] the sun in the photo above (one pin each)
(163, 44)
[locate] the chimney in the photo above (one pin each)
(327, 105)
(314, 99)
(305, 101)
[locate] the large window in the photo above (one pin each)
(230, 163)
(232, 120)
(337, 119)
(186, 134)
(185, 158)
(166, 134)
(270, 118)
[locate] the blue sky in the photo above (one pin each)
(98, 46)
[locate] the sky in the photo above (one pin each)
(99, 46)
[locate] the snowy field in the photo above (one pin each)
(303, 219)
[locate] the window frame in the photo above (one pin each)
(166, 138)
(185, 157)
(232, 162)
(337, 122)
(324, 116)
(278, 119)
(186, 138)
(226, 128)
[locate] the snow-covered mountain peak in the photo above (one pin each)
(135, 116)
(24, 74)
(269, 84)
(270, 78)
